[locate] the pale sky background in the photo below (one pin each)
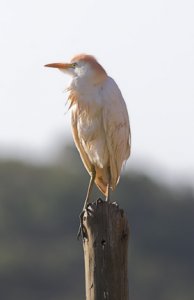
(146, 46)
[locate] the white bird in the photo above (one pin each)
(100, 122)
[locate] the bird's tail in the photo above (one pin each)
(102, 187)
(102, 179)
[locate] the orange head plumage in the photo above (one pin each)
(82, 66)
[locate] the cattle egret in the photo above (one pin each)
(100, 122)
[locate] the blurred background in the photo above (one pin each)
(148, 48)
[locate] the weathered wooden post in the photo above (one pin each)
(105, 244)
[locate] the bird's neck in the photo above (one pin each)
(83, 92)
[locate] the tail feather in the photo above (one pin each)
(102, 180)
(101, 185)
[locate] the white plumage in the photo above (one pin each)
(100, 121)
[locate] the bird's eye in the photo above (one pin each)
(74, 65)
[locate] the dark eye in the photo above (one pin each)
(74, 65)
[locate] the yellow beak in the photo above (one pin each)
(59, 65)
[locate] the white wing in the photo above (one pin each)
(117, 128)
(79, 146)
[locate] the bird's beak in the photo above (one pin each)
(59, 65)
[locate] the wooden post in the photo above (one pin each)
(105, 244)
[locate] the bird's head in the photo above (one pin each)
(82, 66)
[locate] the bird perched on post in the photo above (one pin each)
(100, 122)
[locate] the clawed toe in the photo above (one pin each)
(80, 230)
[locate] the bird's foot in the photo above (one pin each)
(80, 230)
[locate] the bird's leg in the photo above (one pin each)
(108, 192)
(90, 186)
(108, 186)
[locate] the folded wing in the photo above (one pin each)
(117, 128)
